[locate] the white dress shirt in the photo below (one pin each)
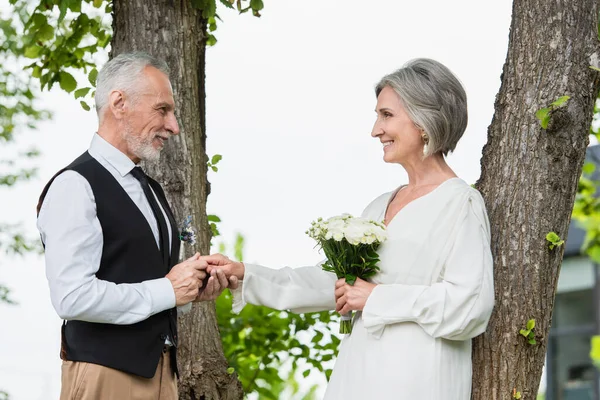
(72, 235)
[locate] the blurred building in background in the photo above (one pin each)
(570, 374)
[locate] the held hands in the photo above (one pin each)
(352, 298)
(234, 270)
(188, 277)
(216, 284)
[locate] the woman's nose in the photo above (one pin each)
(377, 131)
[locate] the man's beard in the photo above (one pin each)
(142, 147)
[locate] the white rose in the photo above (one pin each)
(354, 231)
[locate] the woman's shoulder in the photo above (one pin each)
(466, 197)
(377, 206)
(459, 186)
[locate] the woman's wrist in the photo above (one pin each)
(241, 270)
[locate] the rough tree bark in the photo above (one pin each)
(176, 32)
(529, 181)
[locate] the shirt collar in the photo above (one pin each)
(117, 159)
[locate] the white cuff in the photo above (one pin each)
(373, 323)
(161, 293)
(238, 302)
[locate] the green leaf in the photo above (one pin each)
(211, 40)
(215, 169)
(230, 370)
(213, 218)
(594, 68)
(227, 4)
(93, 75)
(544, 116)
(350, 279)
(75, 6)
(524, 332)
(62, 6)
(84, 105)
(97, 3)
(589, 168)
(209, 9)
(257, 5)
(38, 19)
(67, 82)
(82, 92)
(306, 373)
(560, 101)
(45, 33)
(32, 51)
(595, 349)
(215, 159)
(531, 324)
(552, 237)
(532, 341)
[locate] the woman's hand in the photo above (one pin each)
(352, 298)
(229, 267)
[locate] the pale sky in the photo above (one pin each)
(290, 105)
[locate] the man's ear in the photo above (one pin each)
(117, 104)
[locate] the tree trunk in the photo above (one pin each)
(176, 32)
(529, 180)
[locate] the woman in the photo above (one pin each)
(411, 337)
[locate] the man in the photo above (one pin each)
(112, 245)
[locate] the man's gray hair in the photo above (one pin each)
(122, 73)
(434, 99)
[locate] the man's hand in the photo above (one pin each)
(186, 278)
(216, 284)
(349, 298)
(229, 267)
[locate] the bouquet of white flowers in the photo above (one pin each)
(350, 245)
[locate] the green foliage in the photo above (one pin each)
(595, 350)
(212, 221)
(516, 395)
(212, 164)
(266, 347)
(3, 395)
(554, 240)
(209, 11)
(545, 113)
(63, 36)
(586, 210)
(528, 333)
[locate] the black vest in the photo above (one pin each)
(129, 255)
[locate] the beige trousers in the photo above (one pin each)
(86, 381)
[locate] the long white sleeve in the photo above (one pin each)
(301, 290)
(456, 308)
(73, 241)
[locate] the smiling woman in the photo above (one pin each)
(434, 292)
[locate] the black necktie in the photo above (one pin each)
(163, 232)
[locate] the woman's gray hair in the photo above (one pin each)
(123, 73)
(434, 99)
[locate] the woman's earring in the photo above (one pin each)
(425, 146)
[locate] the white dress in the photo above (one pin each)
(435, 292)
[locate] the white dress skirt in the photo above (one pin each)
(434, 293)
